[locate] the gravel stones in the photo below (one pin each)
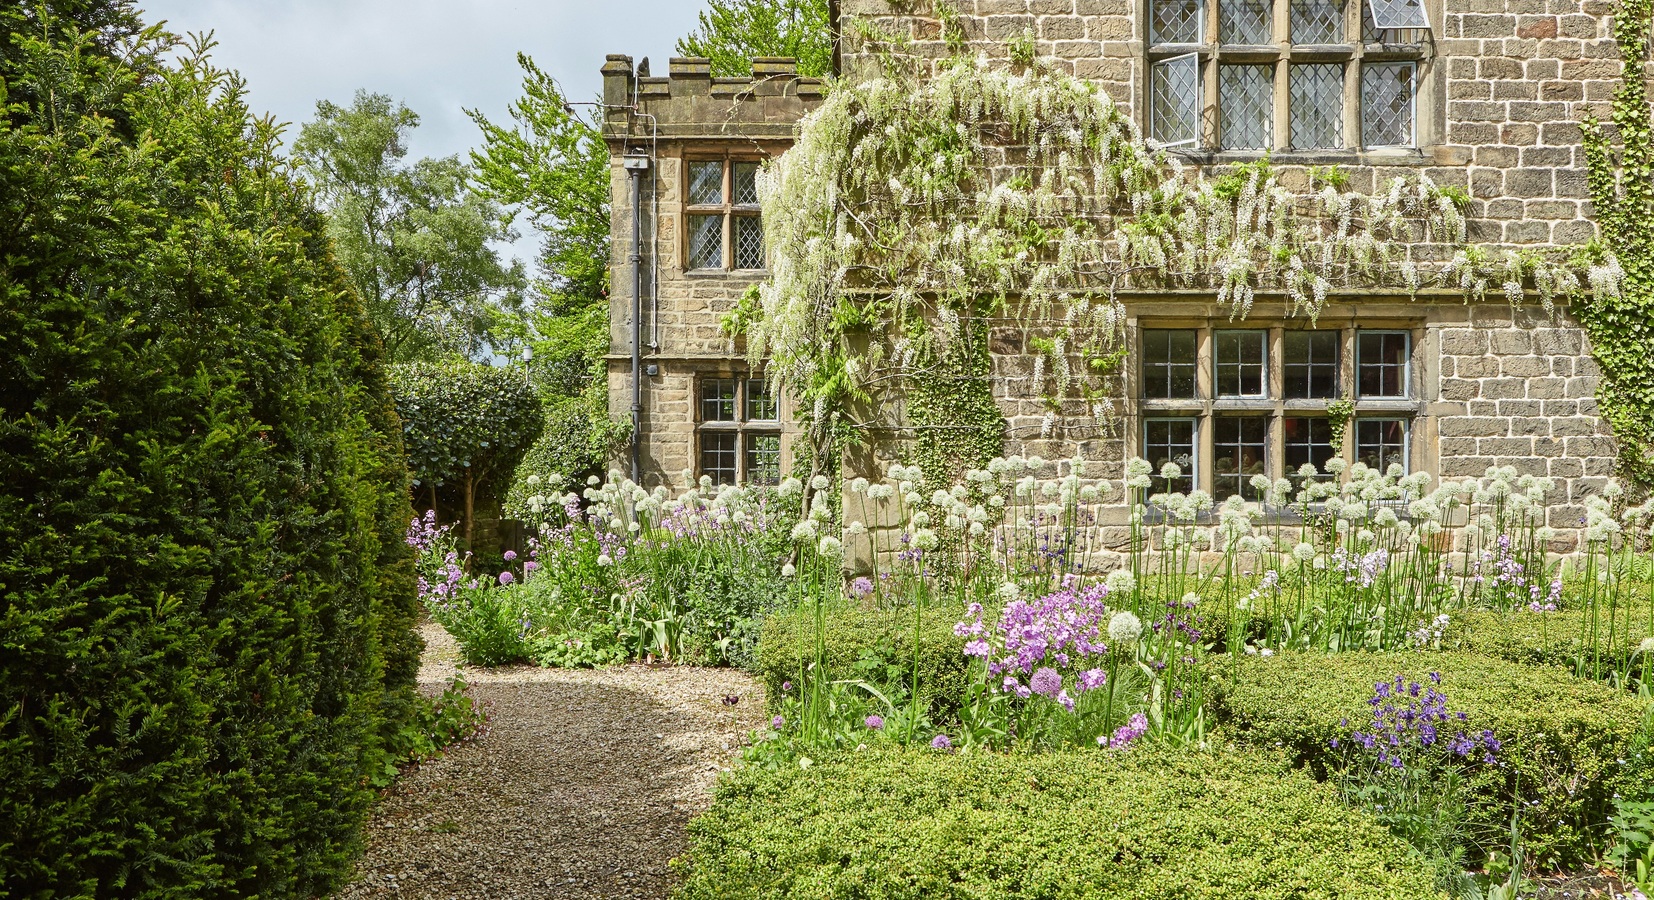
(581, 787)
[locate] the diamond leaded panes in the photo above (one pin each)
(706, 242)
(1246, 107)
(1387, 104)
(1175, 21)
(1398, 14)
(745, 183)
(1244, 21)
(1317, 21)
(1174, 101)
(1316, 105)
(749, 242)
(706, 183)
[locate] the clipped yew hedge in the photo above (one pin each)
(206, 606)
(1143, 824)
(1569, 745)
(1571, 638)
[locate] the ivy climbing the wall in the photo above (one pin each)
(950, 407)
(1619, 320)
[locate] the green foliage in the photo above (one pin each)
(206, 606)
(732, 32)
(1569, 638)
(1567, 743)
(466, 426)
(1620, 325)
(414, 239)
(555, 164)
(950, 404)
(875, 645)
(1140, 824)
(438, 723)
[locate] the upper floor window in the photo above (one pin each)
(1310, 60)
(739, 430)
(723, 230)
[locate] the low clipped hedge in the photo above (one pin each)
(1569, 745)
(1564, 638)
(1144, 824)
(852, 634)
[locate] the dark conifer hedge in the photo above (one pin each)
(205, 601)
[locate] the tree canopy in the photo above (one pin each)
(414, 238)
(732, 32)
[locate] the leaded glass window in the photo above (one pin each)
(1176, 21)
(1387, 104)
(1389, 14)
(739, 430)
(1317, 105)
(723, 228)
(1317, 21)
(1174, 101)
(1246, 106)
(1245, 21)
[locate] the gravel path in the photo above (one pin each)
(581, 788)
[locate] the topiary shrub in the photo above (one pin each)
(1142, 824)
(1569, 745)
(206, 606)
(875, 644)
(466, 426)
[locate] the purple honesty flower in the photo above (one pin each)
(1046, 682)
(1135, 727)
(941, 742)
(874, 722)
(1092, 679)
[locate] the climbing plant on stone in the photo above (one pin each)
(1619, 318)
(915, 207)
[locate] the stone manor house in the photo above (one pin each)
(1484, 94)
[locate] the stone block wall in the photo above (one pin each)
(1504, 86)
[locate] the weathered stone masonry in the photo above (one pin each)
(1502, 87)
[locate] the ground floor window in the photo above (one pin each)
(738, 430)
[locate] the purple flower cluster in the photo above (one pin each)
(1411, 718)
(1363, 569)
(861, 588)
(1499, 570)
(1038, 641)
(1135, 727)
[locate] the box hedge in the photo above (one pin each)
(1061, 826)
(1569, 745)
(872, 643)
(206, 605)
(1566, 638)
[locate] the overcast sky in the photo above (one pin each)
(437, 56)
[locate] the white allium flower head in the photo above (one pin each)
(1137, 466)
(805, 531)
(1009, 591)
(1171, 470)
(1120, 581)
(855, 528)
(830, 547)
(858, 486)
(820, 483)
(789, 570)
(1304, 552)
(1124, 628)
